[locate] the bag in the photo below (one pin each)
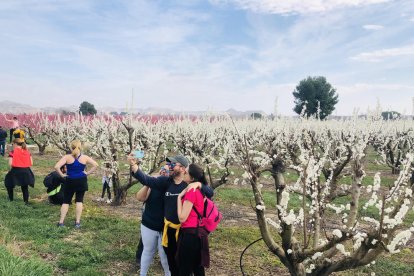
(48, 181)
(211, 215)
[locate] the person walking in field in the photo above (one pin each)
(14, 125)
(76, 180)
(20, 174)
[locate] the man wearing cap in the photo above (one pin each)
(171, 186)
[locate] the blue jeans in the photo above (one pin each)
(2, 147)
(152, 240)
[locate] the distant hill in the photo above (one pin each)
(17, 108)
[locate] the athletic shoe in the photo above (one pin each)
(60, 224)
(77, 225)
(109, 201)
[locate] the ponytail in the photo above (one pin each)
(75, 147)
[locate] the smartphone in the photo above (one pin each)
(139, 154)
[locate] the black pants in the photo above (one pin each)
(11, 134)
(106, 187)
(25, 191)
(170, 251)
(189, 255)
(56, 199)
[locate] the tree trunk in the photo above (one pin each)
(42, 148)
(120, 196)
(120, 191)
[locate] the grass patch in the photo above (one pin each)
(13, 265)
(75, 250)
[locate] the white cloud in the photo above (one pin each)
(412, 19)
(382, 54)
(295, 6)
(373, 27)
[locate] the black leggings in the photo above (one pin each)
(11, 134)
(106, 187)
(25, 191)
(189, 255)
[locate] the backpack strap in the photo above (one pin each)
(204, 209)
(198, 213)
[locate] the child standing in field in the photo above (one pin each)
(106, 183)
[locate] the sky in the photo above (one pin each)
(206, 55)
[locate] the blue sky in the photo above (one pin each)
(198, 55)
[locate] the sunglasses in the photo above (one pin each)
(172, 165)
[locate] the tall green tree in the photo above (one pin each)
(314, 92)
(87, 108)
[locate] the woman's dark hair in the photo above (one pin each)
(20, 142)
(197, 173)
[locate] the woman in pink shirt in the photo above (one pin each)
(192, 253)
(14, 126)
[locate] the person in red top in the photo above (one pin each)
(20, 174)
(192, 254)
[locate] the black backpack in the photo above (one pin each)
(48, 181)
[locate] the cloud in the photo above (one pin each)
(379, 55)
(373, 27)
(295, 6)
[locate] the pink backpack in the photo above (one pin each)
(211, 216)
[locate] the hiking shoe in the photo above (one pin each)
(60, 224)
(77, 225)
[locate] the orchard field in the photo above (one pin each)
(325, 196)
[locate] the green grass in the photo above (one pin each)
(257, 259)
(13, 265)
(76, 250)
(401, 264)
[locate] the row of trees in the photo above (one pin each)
(312, 242)
(314, 96)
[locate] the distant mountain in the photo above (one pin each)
(17, 108)
(247, 113)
